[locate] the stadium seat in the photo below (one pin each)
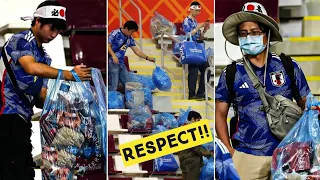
(149, 166)
(145, 178)
(114, 124)
(124, 138)
(84, 16)
(81, 44)
(172, 179)
(179, 29)
(111, 166)
(111, 145)
(133, 169)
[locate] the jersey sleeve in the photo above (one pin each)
(186, 26)
(46, 80)
(112, 37)
(301, 80)
(222, 89)
(17, 48)
(132, 43)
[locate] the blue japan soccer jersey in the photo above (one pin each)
(253, 131)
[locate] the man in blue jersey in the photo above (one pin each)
(118, 42)
(24, 70)
(252, 29)
(191, 26)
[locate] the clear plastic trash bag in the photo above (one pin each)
(140, 118)
(159, 24)
(298, 154)
(145, 80)
(73, 119)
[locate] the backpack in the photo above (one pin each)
(230, 78)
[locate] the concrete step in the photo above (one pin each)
(172, 95)
(309, 64)
(298, 46)
(311, 26)
(314, 84)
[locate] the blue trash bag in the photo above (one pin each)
(167, 120)
(224, 167)
(140, 118)
(166, 164)
(209, 146)
(207, 171)
(159, 129)
(134, 94)
(183, 117)
(176, 46)
(73, 116)
(115, 100)
(145, 80)
(148, 97)
(161, 79)
(209, 52)
(297, 156)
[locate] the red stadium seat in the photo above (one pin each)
(111, 169)
(111, 145)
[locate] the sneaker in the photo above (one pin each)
(202, 98)
(192, 98)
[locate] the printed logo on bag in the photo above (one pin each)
(195, 50)
(182, 56)
(277, 78)
(165, 143)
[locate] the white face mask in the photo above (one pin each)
(252, 45)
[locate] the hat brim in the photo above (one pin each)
(229, 27)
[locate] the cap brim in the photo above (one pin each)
(229, 27)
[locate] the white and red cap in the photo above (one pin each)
(254, 7)
(195, 7)
(57, 12)
(254, 12)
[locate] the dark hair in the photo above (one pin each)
(58, 24)
(194, 114)
(195, 3)
(131, 25)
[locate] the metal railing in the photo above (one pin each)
(208, 86)
(140, 20)
(164, 49)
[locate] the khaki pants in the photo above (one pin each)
(250, 167)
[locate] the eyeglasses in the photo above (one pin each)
(252, 33)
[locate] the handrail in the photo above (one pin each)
(163, 49)
(207, 85)
(140, 19)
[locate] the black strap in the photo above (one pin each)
(230, 77)
(109, 55)
(13, 79)
(289, 68)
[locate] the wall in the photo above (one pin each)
(173, 10)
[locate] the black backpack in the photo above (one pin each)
(230, 77)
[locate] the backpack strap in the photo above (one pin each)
(230, 77)
(289, 68)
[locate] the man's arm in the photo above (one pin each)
(139, 53)
(221, 126)
(110, 50)
(42, 70)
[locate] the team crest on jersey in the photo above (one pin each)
(277, 78)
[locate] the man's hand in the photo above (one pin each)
(231, 150)
(201, 25)
(83, 72)
(115, 59)
(151, 59)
